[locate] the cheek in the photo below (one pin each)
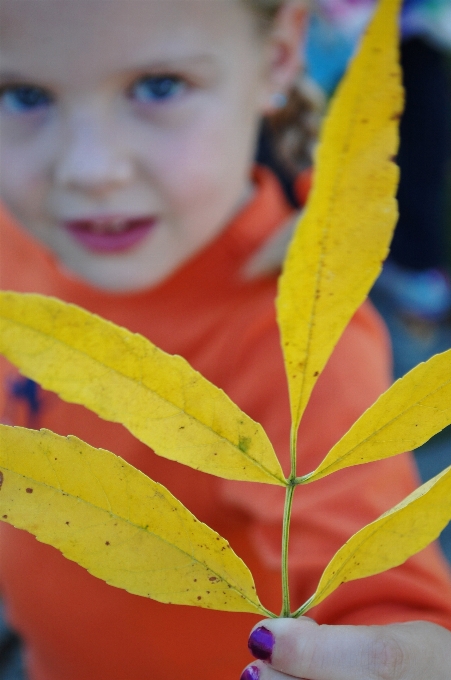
(22, 180)
(208, 161)
(25, 164)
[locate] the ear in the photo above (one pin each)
(284, 52)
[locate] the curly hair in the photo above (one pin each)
(294, 127)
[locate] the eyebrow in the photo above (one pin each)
(175, 63)
(13, 76)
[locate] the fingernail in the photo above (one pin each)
(261, 643)
(250, 673)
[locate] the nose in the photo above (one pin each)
(91, 158)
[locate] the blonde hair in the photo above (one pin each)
(294, 127)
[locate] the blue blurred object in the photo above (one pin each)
(424, 293)
(335, 27)
(327, 52)
(11, 663)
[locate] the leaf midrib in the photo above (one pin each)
(325, 235)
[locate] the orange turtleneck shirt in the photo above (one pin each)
(74, 625)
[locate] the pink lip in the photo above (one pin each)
(110, 234)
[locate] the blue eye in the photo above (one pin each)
(157, 88)
(24, 98)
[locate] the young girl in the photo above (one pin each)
(128, 137)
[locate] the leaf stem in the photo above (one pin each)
(289, 492)
(286, 523)
(302, 480)
(293, 452)
(302, 609)
(268, 613)
(285, 538)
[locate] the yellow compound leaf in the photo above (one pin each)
(397, 535)
(343, 235)
(408, 414)
(124, 378)
(117, 523)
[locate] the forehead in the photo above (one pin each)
(46, 35)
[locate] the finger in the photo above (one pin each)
(261, 671)
(304, 649)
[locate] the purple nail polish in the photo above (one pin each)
(261, 643)
(250, 673)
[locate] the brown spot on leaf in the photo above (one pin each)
(316, 373)
(396, 116)
(199, 597)
(107, 543)
(29, 490)
(67, 523)
(5, 516)
(1, 479)
(213, 578)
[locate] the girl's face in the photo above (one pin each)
(128, 126)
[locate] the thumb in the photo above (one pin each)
(303, 649)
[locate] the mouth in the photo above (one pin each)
(110, 234)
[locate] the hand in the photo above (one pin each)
(301, 648)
